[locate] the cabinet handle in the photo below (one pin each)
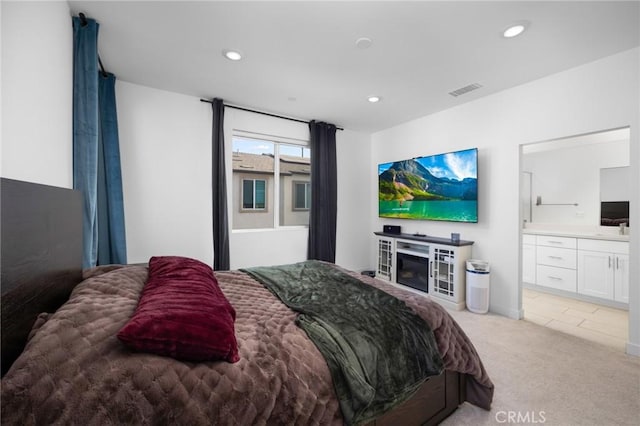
(609, 261)
(554, 242)
(555, 257)
(554, 278)
(431, 269)
(617, 262)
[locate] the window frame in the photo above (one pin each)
(277, 190)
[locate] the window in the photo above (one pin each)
(301, 195)
(271, 183)
(254, 194)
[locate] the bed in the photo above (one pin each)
(75, 370)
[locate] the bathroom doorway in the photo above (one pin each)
(564, 184)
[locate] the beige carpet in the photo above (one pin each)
(542, 376)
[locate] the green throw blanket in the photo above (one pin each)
(378, 350)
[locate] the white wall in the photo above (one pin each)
(593, 97)
(37, 92)
(353, 241)
(165, 150)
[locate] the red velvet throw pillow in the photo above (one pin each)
(182, 313)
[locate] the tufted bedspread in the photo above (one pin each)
(75, 371)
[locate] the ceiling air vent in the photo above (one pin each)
(465, 89)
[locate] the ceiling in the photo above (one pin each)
(301, 59)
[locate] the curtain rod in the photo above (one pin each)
(83, 22)
(262, 112)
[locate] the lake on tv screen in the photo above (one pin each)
(458, 211)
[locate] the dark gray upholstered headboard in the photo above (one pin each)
(41, 256)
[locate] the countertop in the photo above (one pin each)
(577, 234)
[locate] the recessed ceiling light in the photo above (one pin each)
(232, 55)
(515, 29)
(364, 43)
(374, 99)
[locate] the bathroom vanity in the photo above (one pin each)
(587, 266)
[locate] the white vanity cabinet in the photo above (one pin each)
(556, 262)
(577, 266)
(603, 269)
(621, 279)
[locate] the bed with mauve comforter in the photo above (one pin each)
(75, 369)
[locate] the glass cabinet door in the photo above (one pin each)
(442, 272)
(385, 258)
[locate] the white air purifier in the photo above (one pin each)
(478, 279)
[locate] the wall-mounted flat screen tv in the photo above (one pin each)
(438, 187)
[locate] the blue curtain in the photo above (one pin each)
(85, 131)
(324, 192)
(112, 247)
(94, 155)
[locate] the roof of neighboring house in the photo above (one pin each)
(297, 165)
(243, 162)
(255, 163)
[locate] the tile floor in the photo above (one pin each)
(602, 324)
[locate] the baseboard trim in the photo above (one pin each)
(633, 349)
(515, 314)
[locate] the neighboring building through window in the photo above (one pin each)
(262, 201)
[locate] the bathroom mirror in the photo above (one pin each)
(570, 177)
(614, 184)
(614, 196)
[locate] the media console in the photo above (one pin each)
(431, 265)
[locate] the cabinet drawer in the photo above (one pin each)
(621, 247)
(551, 241)
(552, 256)
(528, 239)
(559, 278)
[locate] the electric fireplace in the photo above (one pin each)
(412, 271)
